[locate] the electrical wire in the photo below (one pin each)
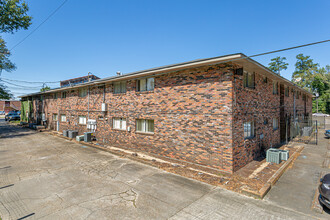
(21, 41)
(13, 84)
(13, 80)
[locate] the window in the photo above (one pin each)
(275, 123)
(119, 123)
(145, 125)
(55, 117)
(287, 91)
(147, 84)
(275, 88)
(55, 95)
(265, 80)
(297, 96)
(63, 118)
(119, 87)
(82, 92)
(248, 80)
(63, 95)
(82, 120)
(249, 129)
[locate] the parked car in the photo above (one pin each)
(12, 116)
(321, 115)
(324, 190)
(327, 133)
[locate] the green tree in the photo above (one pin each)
(5, 63)
(13, 17)
(305, 69)
(4, 93)
(278, 64)
(45, 89)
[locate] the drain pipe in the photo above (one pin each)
(88, 97)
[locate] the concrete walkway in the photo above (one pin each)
(45, 177)
(296, 188)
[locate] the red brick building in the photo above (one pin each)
(10, 105)
(219, 112)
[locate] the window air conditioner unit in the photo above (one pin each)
(104, 107)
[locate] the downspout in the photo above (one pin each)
(88, 104)
(88, 98)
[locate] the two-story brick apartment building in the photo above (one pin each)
(219, 112)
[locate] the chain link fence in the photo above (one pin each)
(304, 131)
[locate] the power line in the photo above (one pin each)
(290, 48)
(20, 86)
(255, 55)
(58, 8)
(14, 80)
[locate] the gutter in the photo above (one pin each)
(169, 68)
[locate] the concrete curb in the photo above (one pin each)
(271, 182)
(284, 167)
(316, 206)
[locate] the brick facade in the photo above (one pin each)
(198, 114)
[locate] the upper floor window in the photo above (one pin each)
(82, 92)
(119, 87)
(248, 129)
(55, 117)
(119, 123)
(286, 92)
(82, 120)
(63, 118)
(63, 95)
(275, 88)
(275, 123)
(145, 125)
(147, 84)
(248, 80)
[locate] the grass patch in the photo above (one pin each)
(14, 122)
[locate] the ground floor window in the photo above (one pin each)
(55, 117)
(82, 120)
(119, 123)
(248, 129)
(145, 125)
(63, 118)
(275, 123)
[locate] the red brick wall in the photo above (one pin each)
(259, 104)
(191, 110)
(198, 114)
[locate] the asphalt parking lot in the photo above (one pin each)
(46, 177)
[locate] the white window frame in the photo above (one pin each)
(119, 123)
(249, 129)
(55, 117)
(63, 118)
(119, 87)
(146, 126)
(275, 123)
(146, 84)
(82, 120)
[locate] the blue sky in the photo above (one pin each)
(105, 36)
